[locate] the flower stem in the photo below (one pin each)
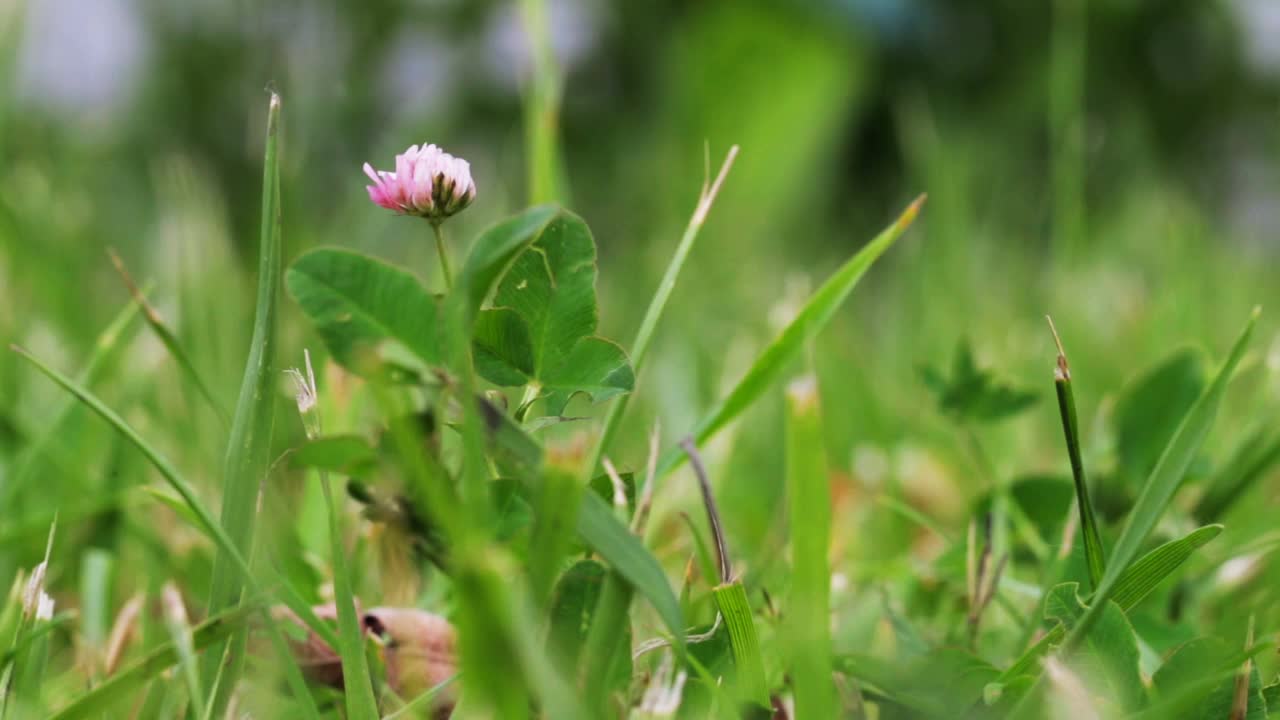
(444, 256)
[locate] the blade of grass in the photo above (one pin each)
(1093, 550)
(249, 444)
(104, 349)
(422, 702)
(93, 703)
(1164, 481)
(169, 340)
(809, 505)
(811, 319)
(542, 108)
(357, 683)
(1248, 464)
(24, 675)
(606, 535)
(640, 346)
(96, 569)
(731, 599)
(1144, 575)
(175, 615)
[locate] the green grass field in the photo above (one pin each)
(696, 406)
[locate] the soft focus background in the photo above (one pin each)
(1114, 163)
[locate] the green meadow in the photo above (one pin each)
(723, 359)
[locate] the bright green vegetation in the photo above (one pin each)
(640, 472)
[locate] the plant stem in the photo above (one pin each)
(444, 256)
(640, 346)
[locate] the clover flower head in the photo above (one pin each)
(427, 182)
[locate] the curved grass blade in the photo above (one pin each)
(812, 318)
(249, 445)
(1164, 481)
(104, 348)
(204, 519)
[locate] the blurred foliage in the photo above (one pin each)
(844, 109)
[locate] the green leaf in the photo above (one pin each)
(736, 610)
(358, 303)
(503, 349)
(1108, 658)
(249, 445)
(812, 318)
(1137, 582)
(491, 254)
(514, 451)
(1165, 479)
(572, 606)
(343, 454)
(554, 519)
(1202, 659)
(1145, 574)
(605, 534)
(937, 684)
(974, 394)
(808, 619)
(1271, 694)
(1149, 409)
(542, 329)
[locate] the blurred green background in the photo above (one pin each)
(1113, 163)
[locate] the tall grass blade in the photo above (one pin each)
(542, 108)
(640, 346)
(809, 505)
(1164, 481)
(357, 683)
(249, 445)
(811, 319)
(1093, 550)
